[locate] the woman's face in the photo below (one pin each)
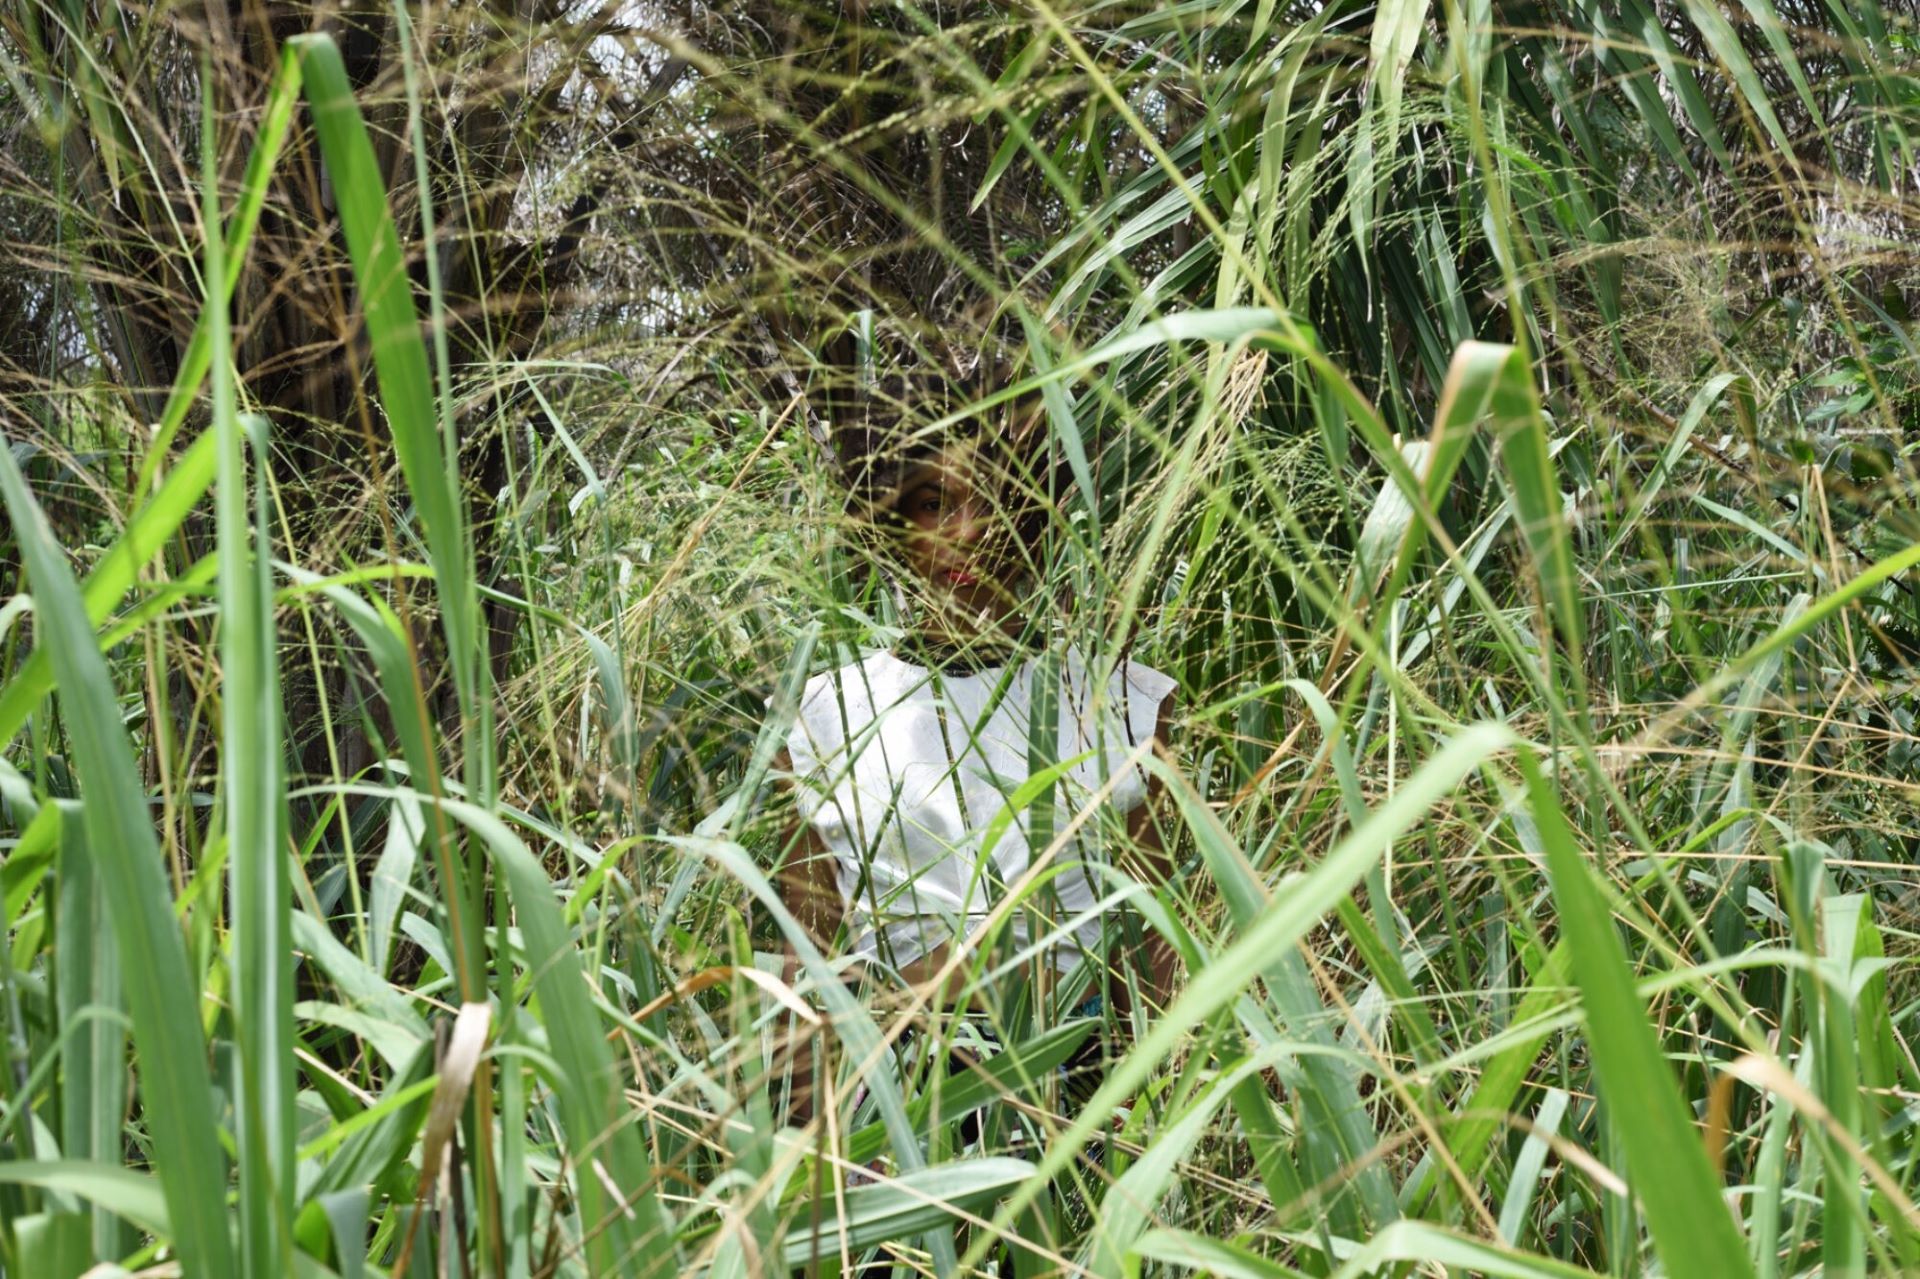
(958, 536)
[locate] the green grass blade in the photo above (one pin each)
(853, 1021)
(1725, 45)
(393, 332)
(1703, 400)
(1692, 1228)
(1395, 530)
(260, 950)
(1525, 1180)
(1799, 622)
(392, 874)
(1396, 30)
(1209, 1256)
(615, 1185)
(374, 1144)
(1129, 1205)
(1016, 1072)
(385, 640)
(193, 472)
(1420, 1241)
(1226, 325)
(1623, 54)
(114, 575)
(1843, 1235)
(1528, 456)
(1471, 1137)
(908, 1205)
(1678, 73)
(53, 1243)
(177, 1102)
(1224, 980)
(1330, 1095)
(94, 1065)
(362, 987)
(133, 1196)
(270, 135)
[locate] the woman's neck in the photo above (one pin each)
(996, 619)
(984, 631)
(945, 642)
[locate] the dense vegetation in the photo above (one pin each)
(1502, 418)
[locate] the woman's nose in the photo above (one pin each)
(968, 523)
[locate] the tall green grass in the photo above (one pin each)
(1541, 788)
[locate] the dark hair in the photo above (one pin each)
(883, 425)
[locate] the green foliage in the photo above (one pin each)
(419, 531)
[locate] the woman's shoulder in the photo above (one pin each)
(836, 704)
(1147, 682)
(1127, 677)
(861, 682)
(872, 666)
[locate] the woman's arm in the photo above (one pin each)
(806, 879)
(1156, 865)
(809, 890)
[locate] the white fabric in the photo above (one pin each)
(874, 780)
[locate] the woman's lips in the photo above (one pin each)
(961, 577)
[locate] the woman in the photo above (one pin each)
(905, 765)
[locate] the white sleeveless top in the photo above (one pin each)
(900, 772)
